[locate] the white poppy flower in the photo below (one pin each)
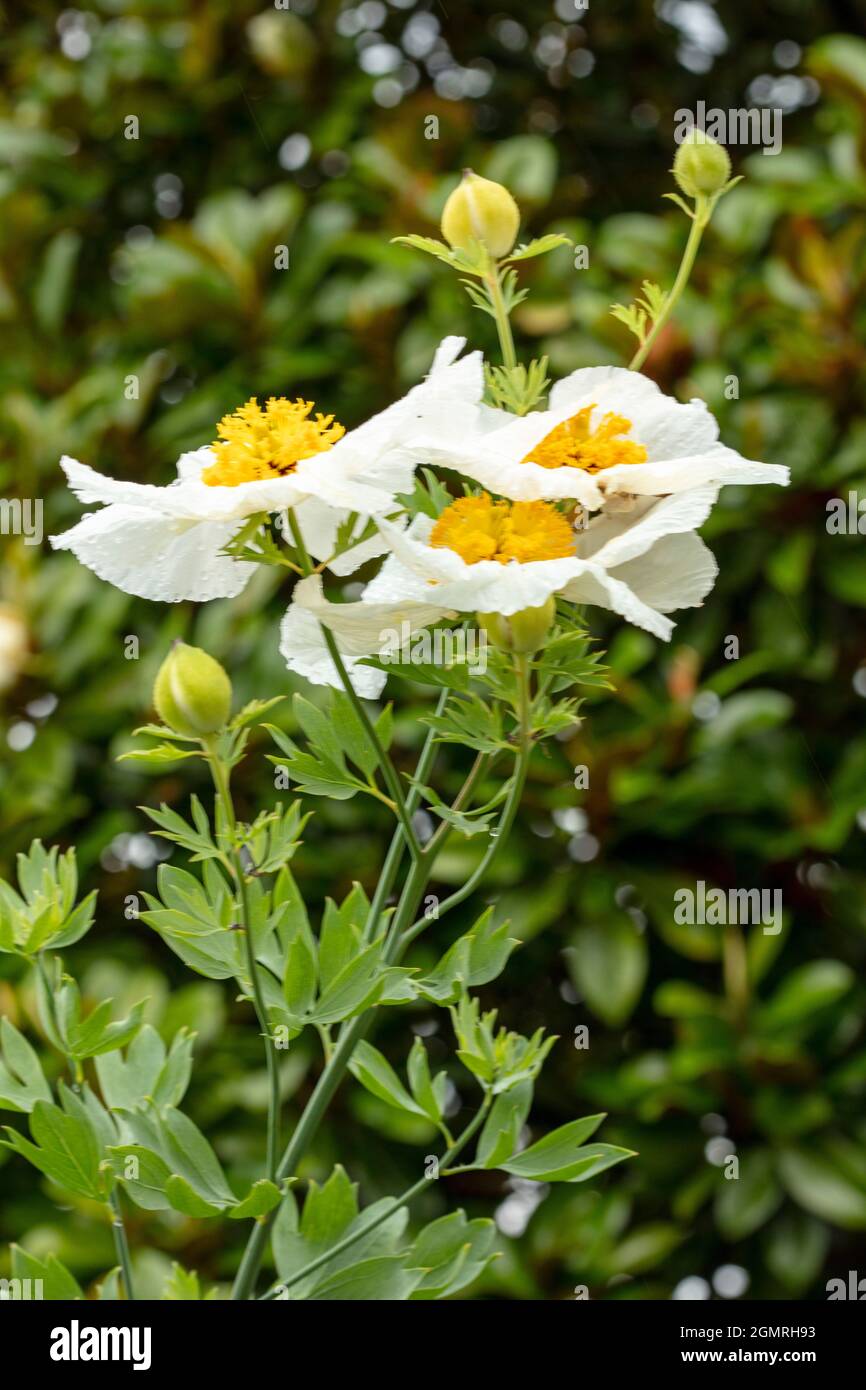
(608, 434)
(165, 543)
(503, 557)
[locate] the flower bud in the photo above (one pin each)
(701, 166)
(481, 210)
(192, 693)
(522, 632)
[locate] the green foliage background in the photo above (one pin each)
(747, 772)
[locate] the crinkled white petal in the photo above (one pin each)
(361, 630)
(193, 463)
(234, 503)
(356, 480)
(586, 382)
(522, 482)
(358, 555)
(665, 426)
(370, 466)
(597, 587)
(319, 525)
(187, 496)
(90, 486)
(720, 466)
(612, 538)
(446, 399)
(677, 572)
(155, 556)
(486, 585)
(523, 587)
(681, 441)
(414, 568)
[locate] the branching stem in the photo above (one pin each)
(222, 785)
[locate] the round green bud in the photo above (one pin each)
(522, 632)
(481, 210)
(192, 693)
(701, 166)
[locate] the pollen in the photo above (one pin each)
(478, 528)
(575, 444)
(256, 443)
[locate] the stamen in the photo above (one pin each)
(574, 444)
(258, 443)
(477, 528)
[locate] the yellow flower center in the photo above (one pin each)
(256, 443)
(574, 444)
(478, 528)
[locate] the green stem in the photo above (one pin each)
(398, 1202)
(428, 753)
(121, 1244)
(76, 1071)
(509, 811)
(389, 772)
(703, 211)
(327, 1083)
(395, 849)
(500, 315)
(223, 791)
(478, 767)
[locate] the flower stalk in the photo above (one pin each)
(700, 220)
(121, 1243)
(501, 318)
(408, 1196)
(222, 786)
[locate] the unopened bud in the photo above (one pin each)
(481, 210)
(522, 632)
(701, 166)
(192, 693)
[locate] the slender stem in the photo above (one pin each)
(398, 1202)
(327, 1084)
(384, 886)
(428, 753)
(223, 790)
(703, 210)
(389, 772)
(509, 811)
(500, 314)
(395, 849)
(75, 1069)
(497, 839)
(121, 1244)
(461, 799)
